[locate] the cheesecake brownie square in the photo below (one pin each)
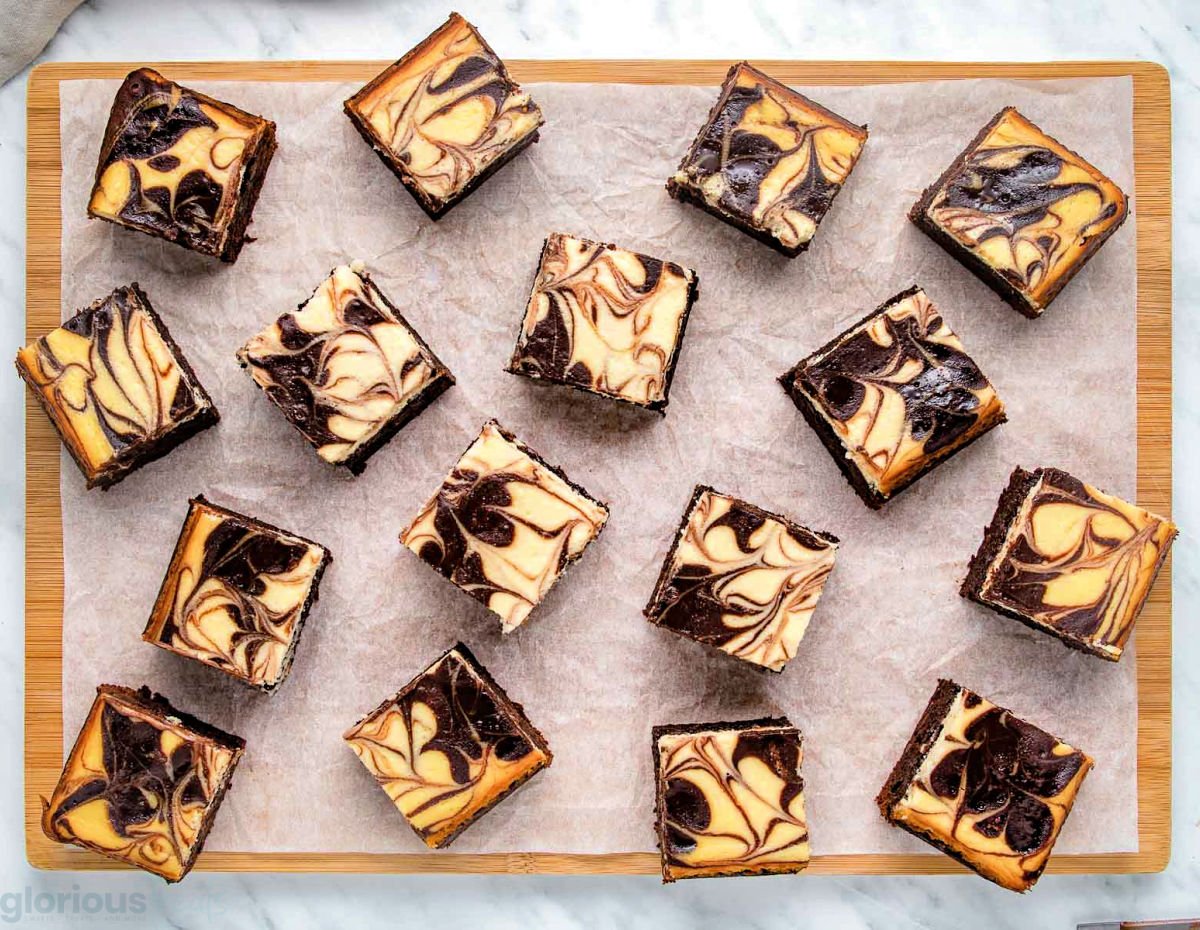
(729, 799)
(984, 787)
(143, 782)
(346, 368)
(236, 594)
(1069, 560)
(116, 386)
(894, 395)
(505, 525)
(605, 320)
(1021, 210)
(179, 165)
(446, 116)
(741, 579)
(768, 161)
(448, 747)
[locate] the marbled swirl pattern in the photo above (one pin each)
(448, 747)
(604, 319)
(112, 382)
(731, 801)
(342, 366)
(900, 391)
(173, 162)
(445, 112)
(995, 789)
(770, 158)
(504, 526)
(742, 580)
(235, 595)
(139, 786)
(1027, 206)
(1079, 562)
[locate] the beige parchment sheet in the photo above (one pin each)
(592, 674)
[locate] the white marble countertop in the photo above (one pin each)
(924, 29)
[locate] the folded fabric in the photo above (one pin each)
(25, 28)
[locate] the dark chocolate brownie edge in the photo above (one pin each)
(254, 173)
(156, 704)
(1020, 483)
(685, 194)
(653, 609)
(924, 735)
(357, 462)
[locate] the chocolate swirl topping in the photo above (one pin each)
(445, 113)
(731, 800)
(504, 526)
(114, 382)
(236, 595)
(345, 367)
(141, 785)
(174, 161)
(995, 789)
(605, 320)
(448, 747)
(1079, 562)
(770, 158)
(742, 580)
(1028, 207)
(900, 391)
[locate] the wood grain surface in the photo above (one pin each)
(43, 539)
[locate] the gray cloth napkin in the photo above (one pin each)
(25, 28)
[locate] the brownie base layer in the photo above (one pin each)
(1020, 483)
(433, 211)
(658, 406)
(919, 215)
(686, 195)
(253, 176)
(660, 800)
(871, 496)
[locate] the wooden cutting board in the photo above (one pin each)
(43, 539)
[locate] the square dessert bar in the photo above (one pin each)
(446, 116)
(984, 787)
(143, 782)
(605, 320)
(236, 594)
(181, 166)
(346, 368)
(505, 525)
(1069, 560)
(894, 395)
(116, 386)
(768, 161)
(741, 579)
(1021, 210)
(448, 747)
(729, 799)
